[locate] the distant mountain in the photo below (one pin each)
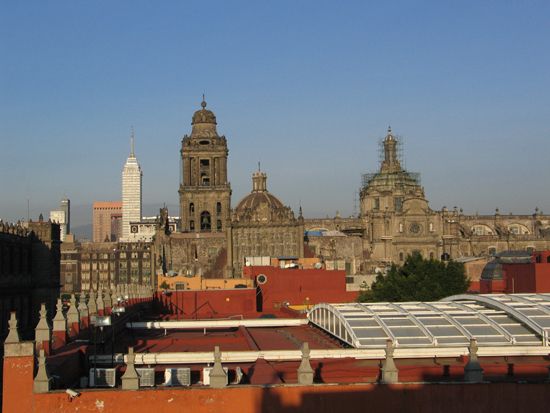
(83, 232)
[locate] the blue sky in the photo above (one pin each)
(306, 87)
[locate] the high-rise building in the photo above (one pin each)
(66, 207)
(63, 218)
(131, 192)
(106, 221)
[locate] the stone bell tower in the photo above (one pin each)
(205, 193)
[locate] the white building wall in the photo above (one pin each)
(131, 195)
(60, 218)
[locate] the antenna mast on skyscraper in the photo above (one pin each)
(132, 155)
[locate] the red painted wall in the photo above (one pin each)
(533, 277)
(291, 285)
(208, 303)
(519, 278)
(297, 286)
(450, 398)
(17, 384)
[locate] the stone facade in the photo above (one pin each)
(105, 265)
(205, 193)
(29, 272)
(396, 220)
(214, 240)
(262, 226)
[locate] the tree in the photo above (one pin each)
(418, 279)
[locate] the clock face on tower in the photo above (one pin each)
(415, 228)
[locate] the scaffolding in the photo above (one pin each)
(367, 178)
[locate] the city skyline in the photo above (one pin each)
(465, 87)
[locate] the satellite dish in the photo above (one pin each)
(261, 279)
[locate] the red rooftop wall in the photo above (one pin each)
(297, 286)
(533, 277)
(208, 303)
(450, 398)
(294, 286)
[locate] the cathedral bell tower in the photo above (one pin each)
(205, 193)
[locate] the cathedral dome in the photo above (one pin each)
(255, 200)
(260, 205)
(203, 115)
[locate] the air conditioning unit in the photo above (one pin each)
(102, 378)
(206, 375)
(180, 376)
(146, 377)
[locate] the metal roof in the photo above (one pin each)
(492, 319)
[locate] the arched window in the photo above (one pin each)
(192, 225)
(205, 221)
(400, 256)
(219, 208)
(191, 208)
(219, 224)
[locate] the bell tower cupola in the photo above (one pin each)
(204, 189)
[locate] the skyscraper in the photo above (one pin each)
(66, 207)
(62, 216)
(131, 191)
(106, 220)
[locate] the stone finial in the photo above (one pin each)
(130, 379)
(114, 300)
(99, 302)
(92, 305)
(82, 307)
(72, 312)
(107, 299)
(59, 321)
(305, 372)
(42, 380)
(390, 374)
(218, 376)
(13, 335)
(473, 372)
(42, 332)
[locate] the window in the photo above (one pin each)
(192, 225)
(191, 208)
(219, 224)
(400, 256)
(376, 203)
(205, 221)
(205, 172)
(398, 203)
(218, 208)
